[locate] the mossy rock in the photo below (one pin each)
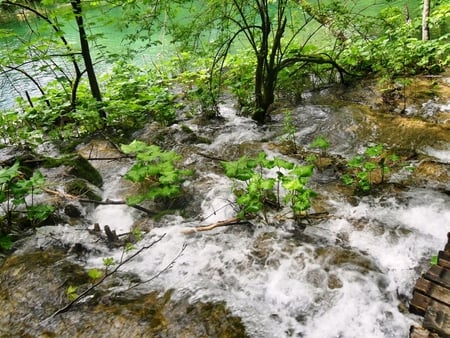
(78, 166)
(82, 188)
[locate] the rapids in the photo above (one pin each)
(347, 275)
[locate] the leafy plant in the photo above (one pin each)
(263, 180)
(18, 192)
(321, 143)
(362, 168)
(289, 129)
(155, 170)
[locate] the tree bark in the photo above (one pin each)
(93, 83)
(425, 16)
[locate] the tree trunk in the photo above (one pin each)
(425, 16)
(95, 89)
(261, 106)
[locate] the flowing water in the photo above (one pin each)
(347, 275)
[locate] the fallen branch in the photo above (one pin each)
(167, 267)
(231, 221)
(110, 202)
(102, 279)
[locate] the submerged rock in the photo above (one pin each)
(33, 285)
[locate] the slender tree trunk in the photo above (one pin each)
(425, 16)
(93, 83)
(261, 65)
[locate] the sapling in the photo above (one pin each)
(321, 143)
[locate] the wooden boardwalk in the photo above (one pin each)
(431, 298)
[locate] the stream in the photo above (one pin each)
(347, 275)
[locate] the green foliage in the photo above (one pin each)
(361, 168)
(396, 49)
(155, 170)
(261, 186)
(95, 273)
(14, 190)
(108, 262)
(320, 142)
(289, 129)
(72, 292)
(434, 260)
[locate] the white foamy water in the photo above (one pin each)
(282, 286)
(345, 276)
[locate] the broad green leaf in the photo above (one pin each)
(370, 166)
(280, 163)
(7, 174)
(95, 273)
(303, 171)
(374, 151)
(293, 184)
(355, 162)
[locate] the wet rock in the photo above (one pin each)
(72, 211)
(33, 285)
(77, 166)
(336, 256)
(435, 174)
(334, 282)
(82, 188)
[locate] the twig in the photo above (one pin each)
(107, 158)
(101, 280)
(167, 267)
(231, 221)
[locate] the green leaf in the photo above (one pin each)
(347, 179)
(40, 212)
(134, 147)
(280, 163)
(7, 174)
(95, 273)
(293, 184)
(5, 242)
(374, 151)
(320, 142)
(108, 261)
(370, 166)
(303, 171)
(355, 162)
(434, 260)
(135, 199)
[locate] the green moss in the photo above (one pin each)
(79, 167)
(80, 187)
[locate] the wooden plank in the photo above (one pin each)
(419, 303)
(444, 259)
(433, 290)
(439, 275)
(420, 332)
(437, 319)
